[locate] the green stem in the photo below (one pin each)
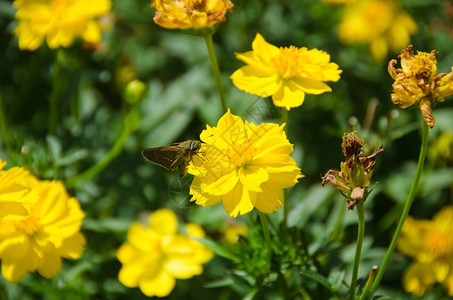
(267, 236)
(285, 118)
(4, 126)
(3, 295)
(358, 249)
(54, 96)
(130, 122)
(407, 206)
(215, 70)
(285, 211)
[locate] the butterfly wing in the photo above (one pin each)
(176, 155)
(169, 157)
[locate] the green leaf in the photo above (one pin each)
(308, 204)
(320, 279)
(218, 249)
(227, 281)
(107, 225)
(54, 148)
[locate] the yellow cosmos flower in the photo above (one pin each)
(378, 23)
(285, 73)
(185, 14)
(58, 22)
(417, 83)
(430, 244)
(14, 190)
(156, 255)
(48, 232)
(244, 165)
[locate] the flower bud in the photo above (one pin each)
(135, 92)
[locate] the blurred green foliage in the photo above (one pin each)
(181, 101)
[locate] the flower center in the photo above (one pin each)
(285, 64)
(439, 242)
(29, 225)
(195, 4)
(240, 154)
(423, 67)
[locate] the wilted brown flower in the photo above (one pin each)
(417, 83)
(354, 178)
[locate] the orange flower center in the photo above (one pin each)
(439, 242)
(29, 225)
(240, 154)
(423, 67)
(285, 63)
(195, 4)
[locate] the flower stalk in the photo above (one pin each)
(358, 249)
(57, 85)
(130, 125)
(267, 236)
(407, 206)
(4, 126)
(215, 70)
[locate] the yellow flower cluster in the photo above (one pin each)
(244, 165)
(285, 73)
(430, 244)
(185, 14)
(58, 22)
(39, 224)
(156, 254)
(378, 23)
(417, 83)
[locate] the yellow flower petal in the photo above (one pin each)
(160, 285)
(288, 96)
(141, 267)
(416, 280)
(194, 230)
(254, 81)
(238, 201)
(164, 221)
(271, 199)
(16, 264)
(222, 185)
(183, 270)
(92, 32)
(252, 177)
(72, 247)
(50, 265)
(310, 86)
(199, 196)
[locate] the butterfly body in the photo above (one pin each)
(176, 155)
